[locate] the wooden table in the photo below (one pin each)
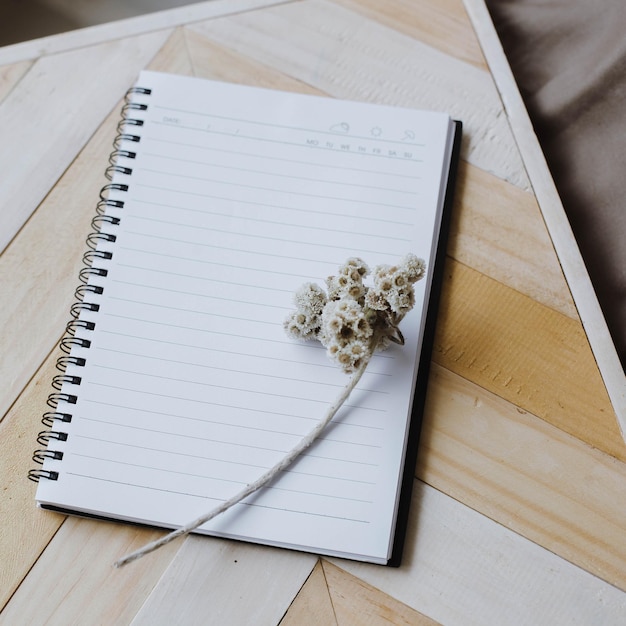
(519, 511)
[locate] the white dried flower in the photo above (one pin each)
(393, 286)
(345, 333)
(349, 280)
(415, 267)
(305, 321)
(352, 318)
(310, 298)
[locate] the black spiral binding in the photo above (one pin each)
(92, 259)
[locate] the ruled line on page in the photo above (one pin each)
(307, 418)
(211, 262)
(261, 237)
(194, 293)
(210, 477)
(318, 179)
(248, 219)
(205, 330)
(285, 341)
(257, 155)
(221, 368)
(197, 437)
(316, 196)
(207, 313)
(209, 296)
(331, 477)
(226, 387)
(290, 208)
(205, 497)
(230, 424)
(246, 268)
(167, 451)
(247, 355)
(326, 365)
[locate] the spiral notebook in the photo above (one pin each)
(178, 385)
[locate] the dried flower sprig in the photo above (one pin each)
(351, 321)
(346, 319)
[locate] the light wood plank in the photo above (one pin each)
(558, 224)
(173, 57)
(525, 352)
(130, 27)
(26, 530)
(358, 604)
(490, 219)
(348, 56)
(40, 267)
(54, 110)
(10, 76)
(312, 605)
(216, 62)
(442, 24)
(462, 568)
(214, 581)
(525, 474)
(74, 581)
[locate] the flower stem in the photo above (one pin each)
(264, 479)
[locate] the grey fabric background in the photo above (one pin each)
(569, 60)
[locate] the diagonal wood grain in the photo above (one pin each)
(10, 75)
(74, 582)
(348, 56)
(75, 104)
(312, 605)
(26, 530)
(526, 474)
(40, 267)
(527, 353)
(461, 568)
(358, 604)
(49, 249)
(489, 220)
(442, 24)
(173, 57)
(216, 62)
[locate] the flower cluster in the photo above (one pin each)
(305, 321)
(352, 320)
(345, 333)
(393, 286)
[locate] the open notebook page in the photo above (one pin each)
(191, 389)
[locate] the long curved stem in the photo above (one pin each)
(263, 480)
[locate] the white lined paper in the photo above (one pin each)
(191, 388)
